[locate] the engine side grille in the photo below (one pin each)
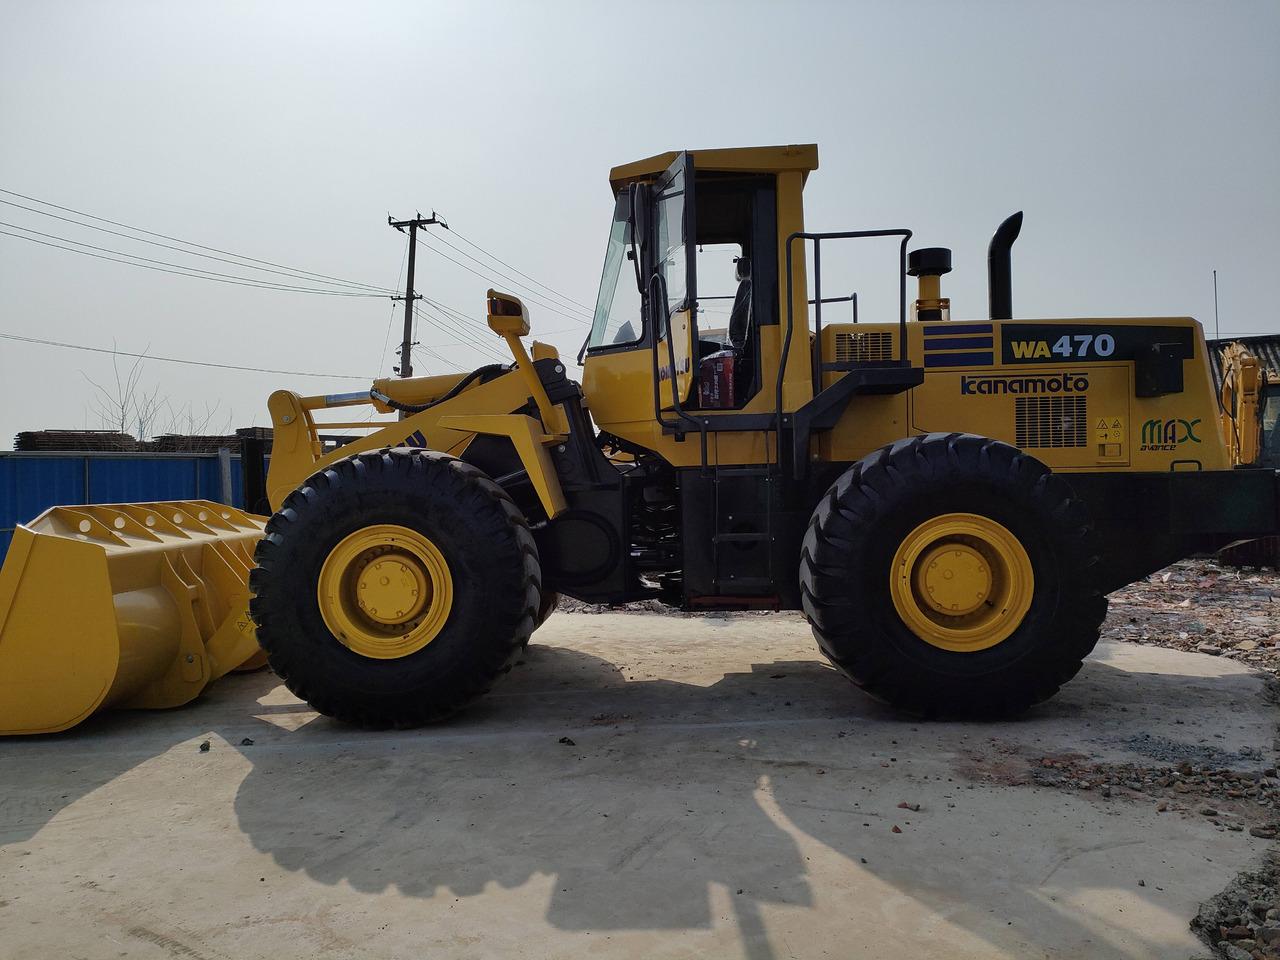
(1051, 422)
(864, 347)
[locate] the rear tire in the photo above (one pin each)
(492, 588)
(852, 562)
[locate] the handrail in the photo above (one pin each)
(817, 239)
(671, 351)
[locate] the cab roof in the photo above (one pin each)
(796, 156)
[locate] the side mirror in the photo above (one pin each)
(638, 218)
(638, 194)
(507, 315)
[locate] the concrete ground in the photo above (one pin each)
(721, 792)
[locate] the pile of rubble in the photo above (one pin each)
(1243, 921)
(1204, 607)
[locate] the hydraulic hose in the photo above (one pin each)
(479, 373)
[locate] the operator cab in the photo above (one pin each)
(709, 240)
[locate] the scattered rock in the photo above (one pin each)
(204, 747)
(246, 742)
(1269, 935)
(1208, 812)
(1205, 606)
(567, 742)
(909, 806)
(1264, 833)
(896, 829)
(1227, 921)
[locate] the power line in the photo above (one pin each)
(169, 246)
(455, 314)
(391, 319)
(182, 271)
(431, 353)
(458, 314)
(192, 363)
(512, 280)
(199, 246)
(521, 273)
(488, 279)
(466, 337)
(470, 339)
(458, 324)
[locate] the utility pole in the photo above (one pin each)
(406, 344)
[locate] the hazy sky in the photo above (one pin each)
(1142, 140)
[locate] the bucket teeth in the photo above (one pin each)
(129, 604)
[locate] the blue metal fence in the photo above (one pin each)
(30, 483)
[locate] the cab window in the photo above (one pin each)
(617, 318)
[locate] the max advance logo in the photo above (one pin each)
(985, 385)
(1167, 435)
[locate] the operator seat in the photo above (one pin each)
(740, 315)
(723, 378)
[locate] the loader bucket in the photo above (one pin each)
(136, 605)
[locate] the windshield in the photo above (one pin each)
(617, 318)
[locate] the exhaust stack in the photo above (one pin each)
(999, 281)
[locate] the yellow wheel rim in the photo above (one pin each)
(385, 591)
(961, 582)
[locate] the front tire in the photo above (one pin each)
(953, 575)
(394, 587)
(548, 606)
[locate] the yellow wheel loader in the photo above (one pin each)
(948, 501)
(1249, 410)
(1249, 407)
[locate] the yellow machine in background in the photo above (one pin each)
(1250, 410)
(1244, 396)
(947, 501)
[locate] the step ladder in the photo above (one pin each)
(742, 542)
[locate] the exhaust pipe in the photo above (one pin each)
(999, 282)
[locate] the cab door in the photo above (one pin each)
(626, 373)
(673, 297)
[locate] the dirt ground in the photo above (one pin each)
(648, 786)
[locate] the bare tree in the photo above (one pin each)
(125, 405)
(188, 422)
